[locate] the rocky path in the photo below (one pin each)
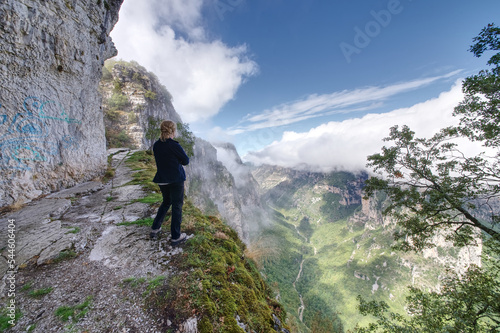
(70, 252)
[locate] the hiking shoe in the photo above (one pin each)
(179, 240)
(155, 234)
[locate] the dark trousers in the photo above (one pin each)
(173, 195)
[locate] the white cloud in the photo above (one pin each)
(168, 38)
(345, 101)
(345, 145)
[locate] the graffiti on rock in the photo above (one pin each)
(26, 137)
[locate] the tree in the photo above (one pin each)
(468, 303)
(435, 188)
(185, 138)
(152, 131)
(479, 110)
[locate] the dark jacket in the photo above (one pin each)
(169, 157)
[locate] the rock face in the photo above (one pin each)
(51, 127)
(70, 219)
(131, 97)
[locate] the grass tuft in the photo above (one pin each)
(76, 312)
(38, 293)
(147, 222)
(65, 255)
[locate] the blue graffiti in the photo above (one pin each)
(62, 115)
(16, 154)
(28, 153)
(24, 140)
(69, 142)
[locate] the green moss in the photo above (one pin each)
(205, 326)
(217, 281)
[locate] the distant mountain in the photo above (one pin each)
(327, 245)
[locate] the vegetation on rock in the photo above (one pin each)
(130, 94)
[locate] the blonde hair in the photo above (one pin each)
(167, 128)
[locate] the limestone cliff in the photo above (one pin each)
(51, 127)
(132, 97)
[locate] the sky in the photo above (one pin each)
(307, 83)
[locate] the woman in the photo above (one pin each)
(170, 176)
